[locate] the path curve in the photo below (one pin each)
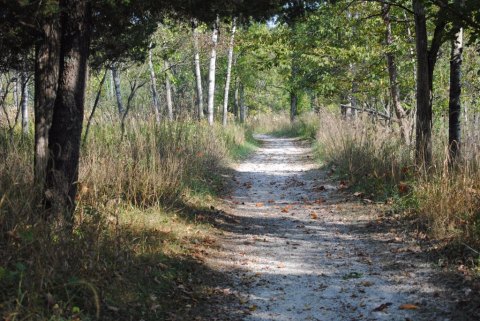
(302, 248)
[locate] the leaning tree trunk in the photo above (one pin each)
(47, 52)
(198, 72)
(153, 85)
(229, 72)
(66, 130)
(393, 75)
(118, 90)
(211, 73)
(24, 102)
(423, 145)
(454, 105)
(168, 89)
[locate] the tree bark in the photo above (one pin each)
(153, 80)
(168, 89)
(423, 145)
(198, 72)
(393, 76)
(47, 53)
(118, 90)
(66, 130)
(293, 105)
(243, 112)
(236, 99)
(94, 108)
(211, 73)
(24, 102)
(229, 72)
(454, 131)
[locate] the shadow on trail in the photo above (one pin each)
(359, 257)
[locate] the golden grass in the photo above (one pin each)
(139, 228)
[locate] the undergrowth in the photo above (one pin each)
(373, 159)
(141, 224)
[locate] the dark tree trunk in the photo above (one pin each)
(454, 105)
(423, 146)
(66, 130)
(118, 91)
(293, 105)
(241, 98)
(236, 99)
(47, 51)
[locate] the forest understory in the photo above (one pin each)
(239, 160)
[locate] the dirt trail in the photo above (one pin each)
(301, 248)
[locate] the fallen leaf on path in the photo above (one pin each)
(408, 306)
(314, 215)
(259, 205)
(286, 209)
(382, 307)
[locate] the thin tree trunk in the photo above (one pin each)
(211, 73)
(229, 72)
(66, 130)
(198, 72)
(243, 113)
(236, 99)
(118, 90)
(168, 89)
(454, 131)
(393, 75)
(24, 102)
(153, 79)
(47, 53)
(423, 145)
(94, 108)
(293, 105)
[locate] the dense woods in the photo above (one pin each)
(111, 109)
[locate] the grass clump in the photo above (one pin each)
(372, 157)
(305, 126)
(142, 223)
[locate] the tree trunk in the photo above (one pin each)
(47, 53)
(168, 89)
(229, 72)
(198, 72)
(211, 73)
(24, 102)
(423, 145)
(118, 90)
(293, 105)
(66, 130)
(243, 113)
(454, 105)
(393, 75)
(153, 86)
(236, 99)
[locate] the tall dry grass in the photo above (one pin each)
(446, 200)
(126, 247)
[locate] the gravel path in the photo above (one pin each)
(300, 247)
